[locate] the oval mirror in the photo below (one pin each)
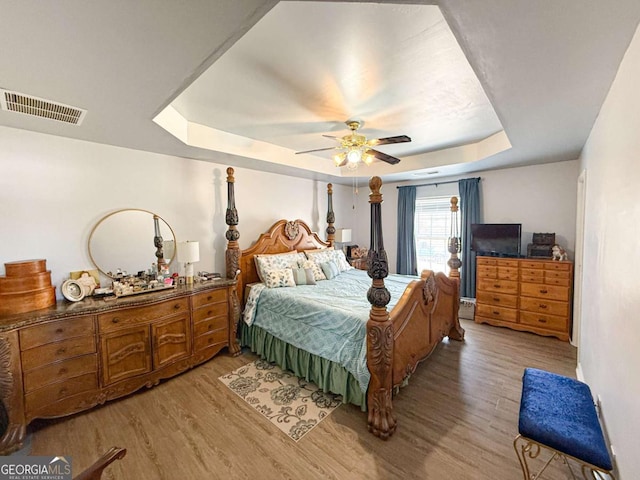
(125, 240)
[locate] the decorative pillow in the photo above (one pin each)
(330, 269)
(303, 276)
(318, 274)
(277, 261)
(330, 255)
(279, 277)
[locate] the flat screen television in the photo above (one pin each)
(497, 239)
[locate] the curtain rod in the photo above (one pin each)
(437, 183)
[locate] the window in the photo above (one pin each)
(432, 230)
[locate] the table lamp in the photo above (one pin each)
(343, 235)
(188, 253)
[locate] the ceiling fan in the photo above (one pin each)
(356, 147)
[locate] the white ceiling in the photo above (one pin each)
(477, 85)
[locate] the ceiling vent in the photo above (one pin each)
(39, 107)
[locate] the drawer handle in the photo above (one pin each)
(59, 330)
(62, 391)
(115, 320)
(176, 306)
(496, 299)
(210, 327)
(542, 305)
(496, 313)
(542, 320)
(62, 371)
(209, 297)
(209, 312)
(544, 291)
(61, 350)
(496, 285)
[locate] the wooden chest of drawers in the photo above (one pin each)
(525, 294)
(72, 357)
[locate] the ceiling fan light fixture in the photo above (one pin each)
(339, 158)
(368, 159)
(354, 155)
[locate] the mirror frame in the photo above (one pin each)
(109, 215)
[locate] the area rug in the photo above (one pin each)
(292, 404)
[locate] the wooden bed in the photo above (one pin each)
(397, 341)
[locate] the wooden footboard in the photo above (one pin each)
(398, 341)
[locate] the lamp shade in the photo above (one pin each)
(188, 252)
(343, 235)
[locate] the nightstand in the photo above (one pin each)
(359, 263)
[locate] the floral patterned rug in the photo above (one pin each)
(292, 404)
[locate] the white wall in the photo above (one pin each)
(541, 197)
(53, 190)
(609, 349)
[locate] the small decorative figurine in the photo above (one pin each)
(558, 253)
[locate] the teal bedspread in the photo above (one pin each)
(328, 319)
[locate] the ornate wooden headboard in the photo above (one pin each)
(283, 236)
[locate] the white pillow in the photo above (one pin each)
(330, 255)
(277, 261)
(279, 277)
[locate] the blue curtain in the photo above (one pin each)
(469, 190)
(407, 262)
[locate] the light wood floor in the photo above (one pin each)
(456, 420)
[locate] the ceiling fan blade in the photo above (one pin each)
(388, 140)
(344, 162)
(382, 156)
(318, 150)
(330, 136)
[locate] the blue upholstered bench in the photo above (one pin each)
(557, 413)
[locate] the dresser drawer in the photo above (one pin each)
(508, 273)
(503, 262)
(563, 282)
(498, 286)
(500, 299)
(56, 372)
(551, 292)
(498, 313)
(210, 296)
(59, 391)
(532, 264)
(54, 352)
(55, 331)
(486, 261)
(131, 316)
(532, 275)
(558, 266)
(486, 272)
(538, 305)
(213, 310)
(552, 322)
(212, 338)
(210, 324)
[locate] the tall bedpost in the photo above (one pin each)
(454, 241)
(232, 261)
(331, 217)
(456, 332)
(381, 421)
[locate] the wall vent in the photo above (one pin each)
(39, 107)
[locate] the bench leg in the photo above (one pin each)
(527, 449)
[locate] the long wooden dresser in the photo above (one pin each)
(73, 356)
(525, 294)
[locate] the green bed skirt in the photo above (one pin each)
(327, 375)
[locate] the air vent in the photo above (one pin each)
(39, 107)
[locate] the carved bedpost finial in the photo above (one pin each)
(454, 241)
(381, 420)
(331, 217)
(232, 258)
